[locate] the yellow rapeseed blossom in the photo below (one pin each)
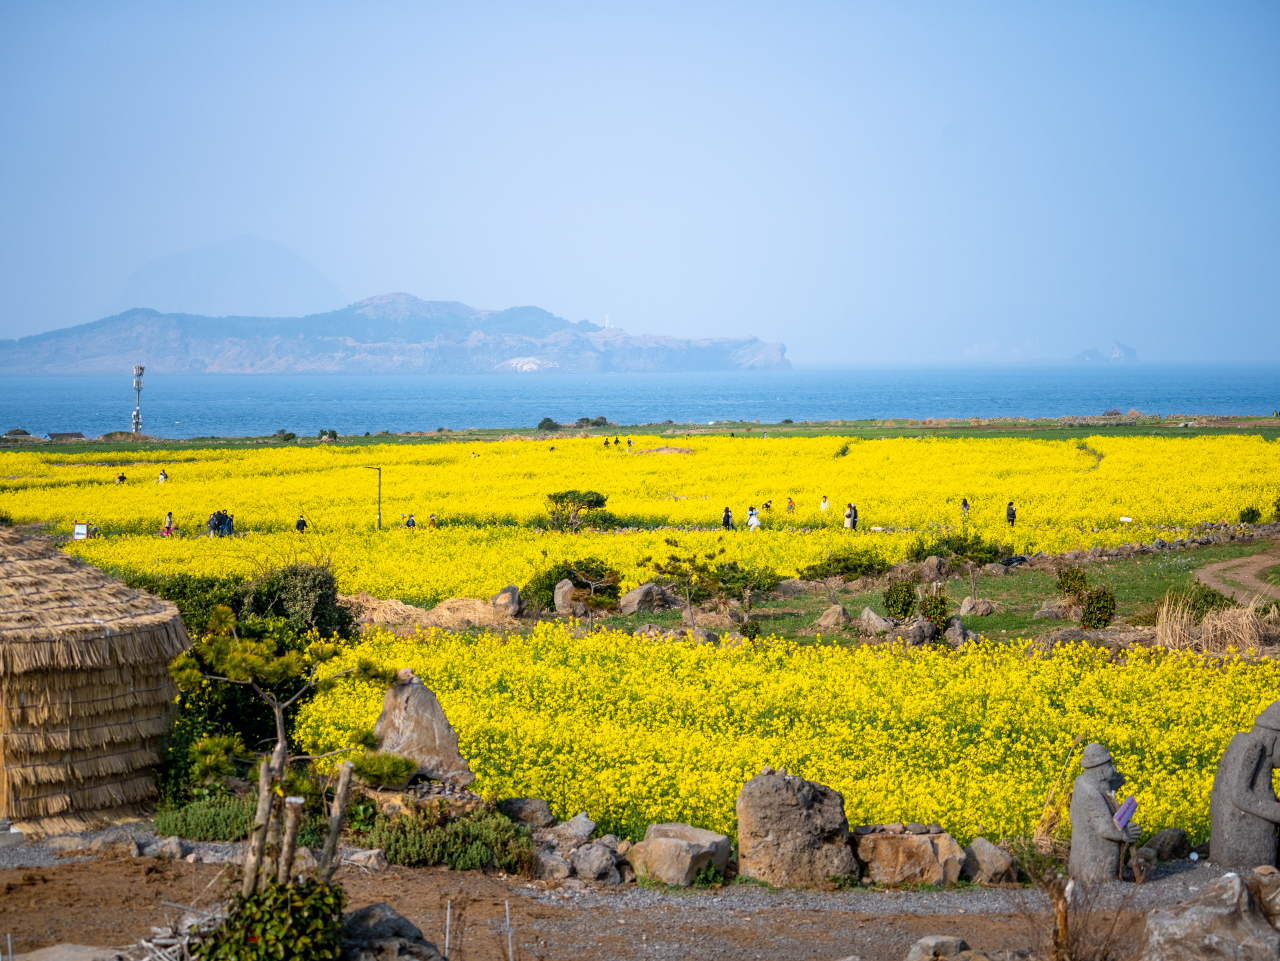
(634, 731)
(489, 498)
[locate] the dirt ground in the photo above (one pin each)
(111, 903)
(1241, 575)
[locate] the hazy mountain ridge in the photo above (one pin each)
(391, 333)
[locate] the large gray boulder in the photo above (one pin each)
(920, 631)
(507, 601)
(956, 633)
(377, 932)
(528, 810)
(910, 858)
(563, 595)
(1171, 844)
(873, 623)
(792, 832)
(833, 618)
(1221, 923)
(413, 725)
(552, 867)
(935, 569)
(595, 862)
(721, 848)
(933, 946)
(987, 864)
(791, 587)
(977, 608)
(573, 832)
(670, 860)
(646, 597)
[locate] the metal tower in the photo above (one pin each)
(137, 407)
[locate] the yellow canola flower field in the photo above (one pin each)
(633, 731)
(490, 498)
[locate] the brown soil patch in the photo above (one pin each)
(665, 450)
(113, 903)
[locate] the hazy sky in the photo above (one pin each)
(869, 183)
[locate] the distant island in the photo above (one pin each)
(390, 334)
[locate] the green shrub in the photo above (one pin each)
(302, 923)
(547, 424)
(1099, 606)
(966, 545)
(853, 562)
(195, 596)
(215, 819)
(735, 579)
(542, 586)
(1250, 515)
(750, 630)
(306, 595)
(383, 770)
(1072, 582)
(900, 600)
(480, 841)
(934, 609)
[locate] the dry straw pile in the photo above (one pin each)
(1241, 628)
(84, 689)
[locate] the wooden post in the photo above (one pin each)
(325, 871)
(258, 839)
(292, 818)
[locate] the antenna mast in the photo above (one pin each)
(137, 406)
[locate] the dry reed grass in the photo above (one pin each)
(460, 613)
(366, 609)
(1238, 628)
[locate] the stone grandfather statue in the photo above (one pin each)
(1096, 842)
(1243, 809)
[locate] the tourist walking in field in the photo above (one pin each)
(726, 520)
(431, 521)
(791, 506)
(163, 476)
(851, 517)
(824, 506)
(753, 519)
(1010, 514)
(301, 526)
(964, 509)
(410, 522)
(120, 478)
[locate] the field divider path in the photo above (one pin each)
(1242, 572)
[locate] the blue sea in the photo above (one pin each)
(178, 406)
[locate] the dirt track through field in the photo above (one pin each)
(1230, 577)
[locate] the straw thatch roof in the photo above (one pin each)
(84, 688)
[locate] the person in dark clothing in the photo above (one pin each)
(211, 524)
(1010, 514)
(410, 522)
(231, 525)
(301, 526)
(727, 520)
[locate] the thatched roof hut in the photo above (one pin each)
(84, 689)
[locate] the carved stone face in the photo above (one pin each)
(1108, 777)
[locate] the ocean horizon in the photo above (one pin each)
(179, 406)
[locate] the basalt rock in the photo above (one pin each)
(792, 832)
(413, 725)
